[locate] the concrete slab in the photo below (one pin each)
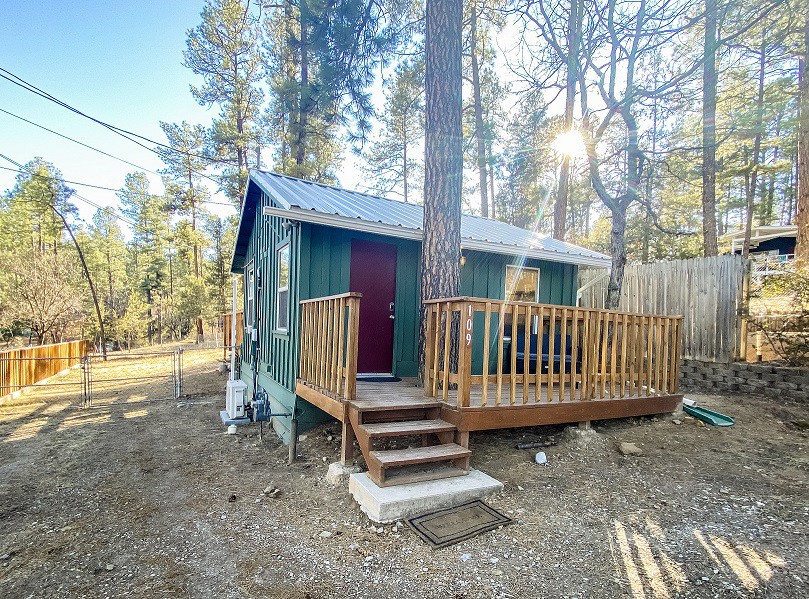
(388, 504)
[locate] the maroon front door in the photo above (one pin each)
(373, 274)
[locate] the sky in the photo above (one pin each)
(118, 61)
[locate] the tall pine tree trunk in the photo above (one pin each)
(443, 156)
(478, 107)
(751, 177)
(709, 83)
(563, 190)
(305, 99)
(802, 200)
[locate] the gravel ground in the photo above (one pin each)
(140, 498)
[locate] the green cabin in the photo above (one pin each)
(299, 240)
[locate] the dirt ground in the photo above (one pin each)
(137, 497)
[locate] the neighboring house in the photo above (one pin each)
(331, 321)
(765, 241)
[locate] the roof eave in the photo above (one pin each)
(356, 224)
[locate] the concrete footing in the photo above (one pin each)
(388, 504)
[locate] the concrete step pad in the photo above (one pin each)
(388, 504)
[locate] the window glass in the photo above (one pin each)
(282, 292)
(522, 284)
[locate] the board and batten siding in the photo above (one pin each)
(484, 275)
(277, 351)
(326, 270)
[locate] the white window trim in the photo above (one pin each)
(520, 268)
(250, 295)
(279, 289)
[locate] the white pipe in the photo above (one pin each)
(580, 290)
(233, 332)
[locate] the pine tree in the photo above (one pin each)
(224, 51)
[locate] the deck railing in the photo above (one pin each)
(567, 353)
(329, 329)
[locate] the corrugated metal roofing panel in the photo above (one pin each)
(289, 193)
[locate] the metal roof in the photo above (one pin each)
(308, 201)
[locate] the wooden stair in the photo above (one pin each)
(443, 451)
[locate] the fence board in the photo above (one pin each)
(708, 292)
(20, 368)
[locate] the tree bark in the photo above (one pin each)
(709, 83)
(563, 189)
(751, 177)
(802, 200)
(305, 100)
(478, 107)
(443, 156)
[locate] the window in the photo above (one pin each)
(282, 290)
(522, 284)
(250, 297)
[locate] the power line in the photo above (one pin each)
(16, 170)
(102, 187)
(16, 116)
(107, 209)
(30, 87)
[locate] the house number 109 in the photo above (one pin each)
(469, 327)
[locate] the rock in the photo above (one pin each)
(326, 534)
(629, 449)
(232, 429)
(541, 458)
(272, 492)
(338, 474)
(676, 421)
(4, 557)
(109, 567)
(497, 572)
(232, 499)
(465, 557)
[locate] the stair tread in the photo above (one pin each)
(417, 473)
(420, 455)
(407, 427)
(375, 405)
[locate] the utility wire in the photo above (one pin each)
(16, 116)
(19, 81)
(126, 134)
(21, 170)
(109, 210)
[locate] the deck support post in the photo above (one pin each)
(347, 449)
(584, 426)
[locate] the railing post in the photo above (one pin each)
(351, 350)
(467, 314)
(429, 348)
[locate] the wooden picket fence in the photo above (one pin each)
(20, 368)
(711, 294)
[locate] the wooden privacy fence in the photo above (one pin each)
(711, 293)
(227, 320)
(329, 335)
(20, 368)
(482, 352)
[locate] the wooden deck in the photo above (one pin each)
(476, 417)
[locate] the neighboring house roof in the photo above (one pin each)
(759, 234)
(305, 201)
